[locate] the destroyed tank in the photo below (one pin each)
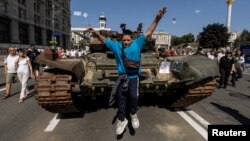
(67, 83)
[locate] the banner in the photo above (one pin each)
(245, 49)
(77, 13)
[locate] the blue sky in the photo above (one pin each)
(191, 15)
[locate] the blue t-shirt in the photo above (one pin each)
(133, 52)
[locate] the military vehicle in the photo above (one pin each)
(180, 80)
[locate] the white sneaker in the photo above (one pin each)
(135, 121)
(121, 126)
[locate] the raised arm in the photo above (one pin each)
(99, 36)
(155, 22)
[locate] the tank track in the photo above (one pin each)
(195, 93)
(54, 93)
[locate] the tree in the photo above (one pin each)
(214, 36)
(244, 37)
(176, 41)
(188, 38)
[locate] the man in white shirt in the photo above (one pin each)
(10, 69)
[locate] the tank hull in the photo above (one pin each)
(62, 87)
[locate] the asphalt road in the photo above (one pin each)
(29, 122)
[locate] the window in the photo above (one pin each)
(3, 7)
(36, 19)
(62, 4)
(63, 21)
(4, 30)
(48, 23)
(21, 2)
(38, 36)
(23, 33)
(48, 13)
(56, 26)
(36, 7)
(22, 13)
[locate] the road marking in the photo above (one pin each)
(2, 89)
(195, 125)
(53, 123)
(199, 118)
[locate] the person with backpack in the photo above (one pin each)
(32, 53)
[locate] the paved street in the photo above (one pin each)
(29, 122)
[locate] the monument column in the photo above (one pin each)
(229, 12)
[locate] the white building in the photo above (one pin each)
(162, 38)
(75, 31)
(233, 36)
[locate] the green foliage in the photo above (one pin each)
(188, 38)
(53, 43)
(83, 43)
(244, 37)
(214, 36)
(184, 45)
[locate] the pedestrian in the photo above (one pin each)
(10, 70)
(237, 74)
(199, 52)
(24, 71)
(127, 53)
(226, 67)
(32, 53)
(241, 60)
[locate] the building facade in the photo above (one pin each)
(233, 36)
(29, 22)
(78, 32)
(162, 39)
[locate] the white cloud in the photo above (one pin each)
(197, 11)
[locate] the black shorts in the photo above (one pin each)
(35, 66)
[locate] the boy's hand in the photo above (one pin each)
(160, 13)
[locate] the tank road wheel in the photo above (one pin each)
(54, 93)
(195, 93)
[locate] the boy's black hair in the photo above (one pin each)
(127, 32)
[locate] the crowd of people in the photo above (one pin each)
(72, 53)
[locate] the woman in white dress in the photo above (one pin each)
(24, 71)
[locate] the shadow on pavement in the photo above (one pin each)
(239, 95)
(234, 113)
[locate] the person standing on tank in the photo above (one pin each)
(127, 53)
